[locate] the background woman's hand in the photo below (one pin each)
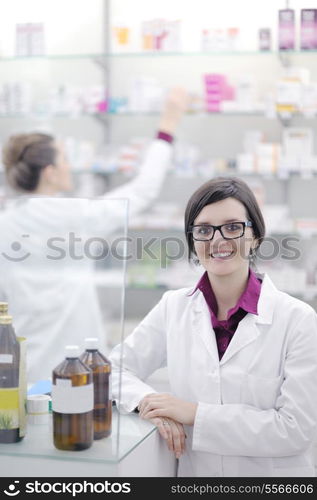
(175, 105)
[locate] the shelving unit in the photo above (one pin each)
(216, 135)
(161, 53)
(206, 131)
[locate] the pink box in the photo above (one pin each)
(308, 29)
(264, 39)
(286, 29)
(216, 90)
(215, 77)
(229, 93)
(213, 106)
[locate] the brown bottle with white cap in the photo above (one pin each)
(9, 379)
(101, 368)
(72, 403)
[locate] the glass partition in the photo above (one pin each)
(62, 268)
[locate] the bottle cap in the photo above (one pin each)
(5, 319)
(91, 343)
(38, 408)
(3, 307)
(72, 351)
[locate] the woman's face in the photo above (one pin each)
(62, 169)
(219, 256)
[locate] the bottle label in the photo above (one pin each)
(69, 399)
(9, 408)
(110, 387)
(6, 358)
(22, 387)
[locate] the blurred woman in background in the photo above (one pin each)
(54, 301)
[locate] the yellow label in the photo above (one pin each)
(287, 108)
(22, 387)
(9, 408)
(9, 399)
(13, 400)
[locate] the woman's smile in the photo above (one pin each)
(222, 254)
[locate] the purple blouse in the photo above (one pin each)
(247, 303)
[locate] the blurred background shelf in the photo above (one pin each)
(106, 59)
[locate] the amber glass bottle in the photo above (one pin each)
(9, 379)
(72, 403)
(101, 368)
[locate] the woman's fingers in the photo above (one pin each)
(155, 413)
(150, 404)
(176, 437)
(173, 433)
(159, 422)
(169, 434)
(158, 408)
(182, 434)
(145, 401)
(148, 407)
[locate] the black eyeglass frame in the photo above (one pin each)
(245, 224)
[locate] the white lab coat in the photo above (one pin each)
(55, 303)
(257, 407)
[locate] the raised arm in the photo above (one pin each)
(145, 187)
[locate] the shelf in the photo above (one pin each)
(229, 53)
(256, 112)
(154, 114)
(282, 177)
(52, 57)
(191, 114)
(50, 116)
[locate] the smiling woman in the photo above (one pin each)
(228, 210)
(228, 201)
(241, 355)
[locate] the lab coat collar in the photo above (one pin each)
(267, 300)
(247, 330)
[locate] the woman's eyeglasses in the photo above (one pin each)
(230, 231)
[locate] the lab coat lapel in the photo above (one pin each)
(202, 325)
(246, 333)
(248, 329)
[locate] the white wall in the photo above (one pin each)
(72, 26)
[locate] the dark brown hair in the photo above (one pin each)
(219, 189)
(24, 156)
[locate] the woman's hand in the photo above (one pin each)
(175, 105)
(166, 405)
(173, 432)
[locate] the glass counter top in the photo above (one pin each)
(38, 442)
